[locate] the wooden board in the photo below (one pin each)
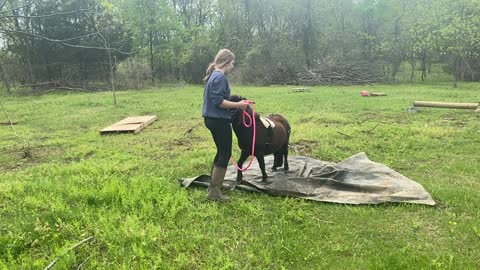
(378, 94)
(448, 105)
(130, 124)
(7, 123)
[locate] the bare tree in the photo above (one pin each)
(100, 36)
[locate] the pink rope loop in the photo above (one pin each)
(252, 122)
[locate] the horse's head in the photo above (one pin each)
(236, 113)
(236, 98)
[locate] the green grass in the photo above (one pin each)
(61, 182)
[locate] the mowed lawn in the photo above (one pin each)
(62, 182)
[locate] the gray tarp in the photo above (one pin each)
(356, 180)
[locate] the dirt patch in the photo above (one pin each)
(85, 156)
(452, 121)
(304, 147)
(176, 146)
(381, 118)
(26, 156)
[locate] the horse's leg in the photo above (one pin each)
(285, 155)
(280, 158)
(275, 157)
(261, 163)
(241, 160)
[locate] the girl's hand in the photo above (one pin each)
(242, 104)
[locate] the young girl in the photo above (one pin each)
(217, 118)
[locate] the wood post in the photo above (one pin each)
(377, 94)
(448, 105)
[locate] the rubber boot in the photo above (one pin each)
(211, 169)
(215, 188)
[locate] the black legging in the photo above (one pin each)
(222, 136)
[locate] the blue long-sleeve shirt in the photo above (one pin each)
(216, 90)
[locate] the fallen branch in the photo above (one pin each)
(65, 88)
(344, 134)
(37, 84)
(80, 266)
(370, 130)
(338, 72)
(68, 250)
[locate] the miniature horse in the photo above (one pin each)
(269, 140)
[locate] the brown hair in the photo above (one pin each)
(223, 58)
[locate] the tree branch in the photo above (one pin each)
(17, 8)
(2, 4)
(64, 43)
(8, 117)
(47, 15)
(68, 250)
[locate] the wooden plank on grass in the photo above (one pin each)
(130, 124)
(7, 123)
(448, 105)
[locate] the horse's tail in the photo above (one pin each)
(287, 126)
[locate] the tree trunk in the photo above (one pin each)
(152, 69)
(424, 66)
(84, 72)
(455, 71)
(395, 67)
(112, 80)
(307, 38)
(26, 45)
(412, 64)
(4, 79)
(343, 35)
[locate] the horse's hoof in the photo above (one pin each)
(274, 168)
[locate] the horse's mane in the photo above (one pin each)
(237, 98)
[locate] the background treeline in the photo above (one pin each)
(90, 44)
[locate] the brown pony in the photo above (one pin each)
(268, 140)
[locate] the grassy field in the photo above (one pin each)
(61, 182)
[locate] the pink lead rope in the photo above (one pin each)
(252, 122)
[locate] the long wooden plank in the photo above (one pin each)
(130, 124)
(377, 94)
(449, 105)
